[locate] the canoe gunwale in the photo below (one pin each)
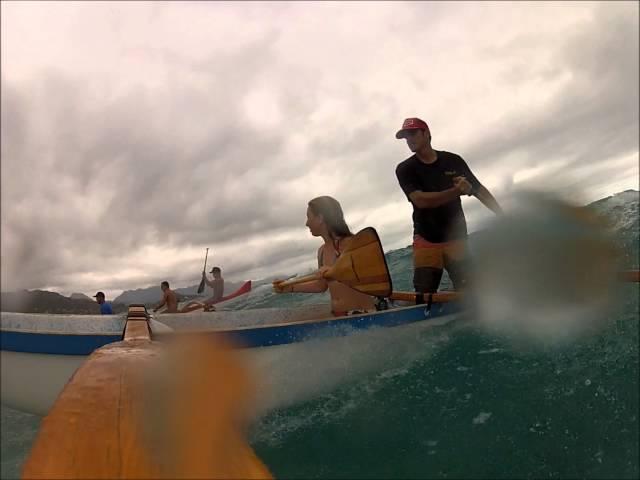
(245, 336)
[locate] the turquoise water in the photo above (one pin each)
(17, 432)
(469, 404)
(474, 407)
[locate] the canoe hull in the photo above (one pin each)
(293, 356)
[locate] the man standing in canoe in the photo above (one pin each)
(169, 299)
(433, 181)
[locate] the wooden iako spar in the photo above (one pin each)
(413, 297)
(629, 276)
(96, 428)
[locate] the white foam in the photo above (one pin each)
(545, 272)
(481, 418)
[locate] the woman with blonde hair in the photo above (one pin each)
(325, 219)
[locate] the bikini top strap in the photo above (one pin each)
(336, 248)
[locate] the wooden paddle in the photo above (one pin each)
(361, 265)
(413, 297)
(202, 282)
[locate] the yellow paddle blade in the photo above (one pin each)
(362, 265)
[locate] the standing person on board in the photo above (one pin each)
(325, 219)
(105, 307)
(433, 181)
(169, 299)
(217, 284)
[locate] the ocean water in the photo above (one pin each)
(466, 403)
(473, 406)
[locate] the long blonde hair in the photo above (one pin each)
(331, 212)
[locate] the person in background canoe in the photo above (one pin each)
(325, 219)
(169, 299)
(105, 307)
(217, 284)
(433, 181)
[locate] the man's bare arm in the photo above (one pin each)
(162, 303)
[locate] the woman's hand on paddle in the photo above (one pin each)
(322, 270)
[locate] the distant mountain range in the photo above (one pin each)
(80, 296)
(43, 301)
(621, 209)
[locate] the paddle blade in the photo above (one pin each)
(362, 265)
(201, 286)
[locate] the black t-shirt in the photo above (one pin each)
(446, 222)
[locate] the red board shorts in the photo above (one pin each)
(430, 259)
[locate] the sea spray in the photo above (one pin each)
(545, 271)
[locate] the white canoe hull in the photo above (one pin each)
(285, 373)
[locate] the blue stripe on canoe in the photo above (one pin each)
(284, 334)
(264, 336)
(58, 344)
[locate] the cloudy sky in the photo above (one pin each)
(135, 135)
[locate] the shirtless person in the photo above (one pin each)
(217, 284)
(218, 289)
(325, 219)
(168, 298)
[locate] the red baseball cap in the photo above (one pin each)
(412, 124)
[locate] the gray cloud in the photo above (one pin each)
(115, 184)
(594, 117)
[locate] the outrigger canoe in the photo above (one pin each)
(244, 288)
(294, 352)
(200, 305)
(195, 305)
(293, 349)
